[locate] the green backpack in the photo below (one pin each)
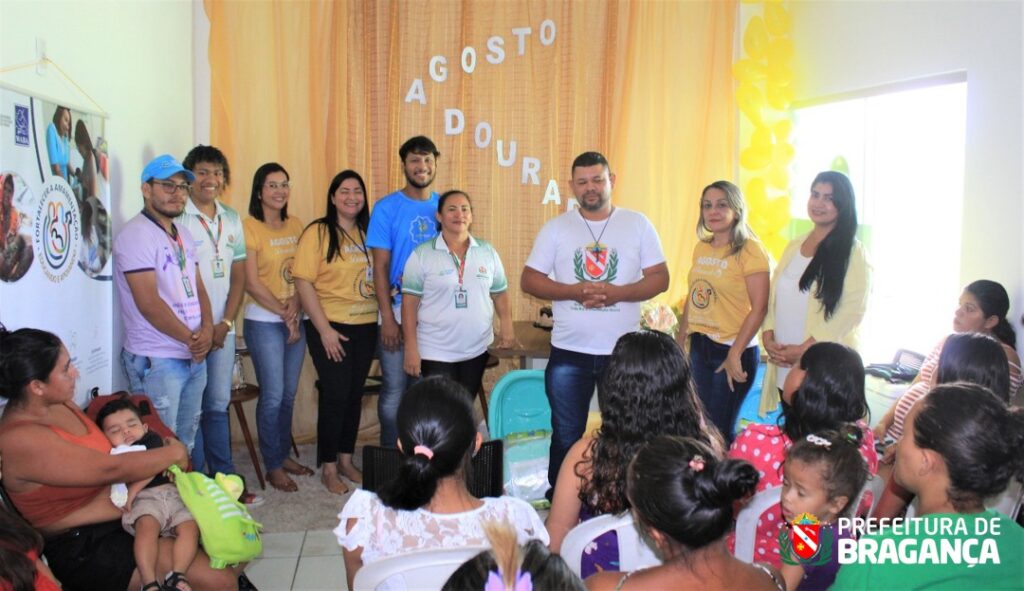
(227, 530)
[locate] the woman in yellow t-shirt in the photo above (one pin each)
(334, 280)
(728, 298)
(273, 333)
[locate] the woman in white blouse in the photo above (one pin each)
(427, 506)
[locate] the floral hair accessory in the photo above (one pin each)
(697, 463)
(524, 582)
(816, 440)
(422, 450)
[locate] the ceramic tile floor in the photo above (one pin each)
(299, 561)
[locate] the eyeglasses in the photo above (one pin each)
(172, 187)
(275, 186)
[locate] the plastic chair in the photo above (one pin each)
(519, 403)
(1007, 502)
(634, 554)
(746, 521)
(427, 569)
(380, 465)
(876, 485)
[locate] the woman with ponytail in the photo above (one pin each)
(983, 307)
(427, 506)
(819, 291)
(961, 444)
(683, 502)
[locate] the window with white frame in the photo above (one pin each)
(904, 153)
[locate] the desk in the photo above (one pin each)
(533, 343)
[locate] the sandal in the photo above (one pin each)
(153, 585)
(173, 581)
(300, 470)
(283, 483)
(333, 483)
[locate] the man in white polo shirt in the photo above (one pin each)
(167, 319)
(597, 263)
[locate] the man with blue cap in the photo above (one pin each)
(166, 313)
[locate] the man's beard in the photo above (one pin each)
(416, 183)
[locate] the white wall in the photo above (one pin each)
(135, 59)
(844, 47)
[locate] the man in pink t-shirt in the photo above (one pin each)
(164, 306)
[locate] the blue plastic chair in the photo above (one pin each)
(519, 404)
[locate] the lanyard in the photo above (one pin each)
(179, 248)
(214, 239)
(460, 266)
(362, 242)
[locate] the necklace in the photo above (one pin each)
(597, 239)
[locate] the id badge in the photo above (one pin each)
(187, 284)
(218, 267)
(461, 301)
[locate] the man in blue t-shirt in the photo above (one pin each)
(399, 223)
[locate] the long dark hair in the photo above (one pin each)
(976, 358)
(994, 301)
(831, 395)
(255, 203)
(26, 354)
(828, 266)
(328, 225)
(679, 487)
(18, 538)
(56, 119)
(978, 437)
(436, 432)
(647, 390)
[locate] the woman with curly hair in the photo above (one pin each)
(646, 391)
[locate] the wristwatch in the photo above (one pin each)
(230, 323)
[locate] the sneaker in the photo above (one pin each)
(250, 499)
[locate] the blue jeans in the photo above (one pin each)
(277, 366)
(395, 381)
(174, 385)
(569, 381)
(212, 452)
(720, 403)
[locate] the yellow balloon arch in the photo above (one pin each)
(764, 72)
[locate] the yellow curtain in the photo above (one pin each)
(321, 86)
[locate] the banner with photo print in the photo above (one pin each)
(55, 238)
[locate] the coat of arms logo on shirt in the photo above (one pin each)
(421, 229)
(596, 262)
(804, 542)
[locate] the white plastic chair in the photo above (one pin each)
(427, 569)
(1007, 502)
(746, 521)
(875, 484)
(634, 554)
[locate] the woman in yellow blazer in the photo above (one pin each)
(819, 291)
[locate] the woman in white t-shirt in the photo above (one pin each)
(427, 506)
(451, 287)
(819, 292)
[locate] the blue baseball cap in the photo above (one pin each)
(164, 167)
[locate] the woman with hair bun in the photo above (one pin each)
(427, 506)
(683, 499)
(961, 444)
